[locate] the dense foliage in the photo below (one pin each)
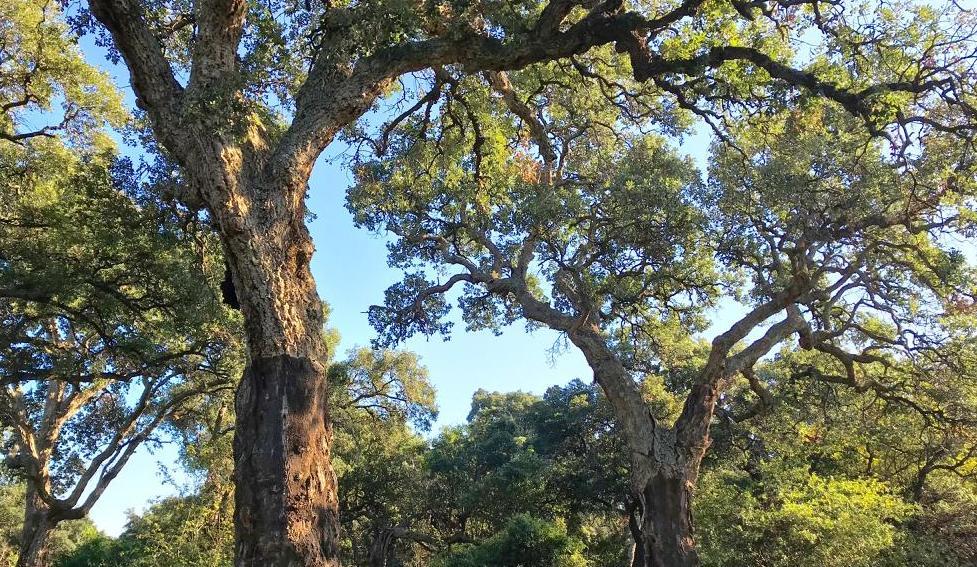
(537, 480)
(63, 541)
(109, 320)
(528, 161)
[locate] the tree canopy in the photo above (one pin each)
(529, 160)
(109, 319)
(817, 226)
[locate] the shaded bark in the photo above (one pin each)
(637, 550)
(286, 506)
(666, 530)
(665, 460)
(286, 511)
(34, 535)
(381, 548)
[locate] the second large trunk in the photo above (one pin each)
(34, 535)
(665, 535)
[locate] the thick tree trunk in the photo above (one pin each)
(34, 535)
(285, 502)
(666, 534)
(286, 507)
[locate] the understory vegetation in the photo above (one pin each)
(541, 480)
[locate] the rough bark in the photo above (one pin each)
(286, 507)
(34, 535)
(630, 409)
(666, 522)
(664, 461)
(286, 510)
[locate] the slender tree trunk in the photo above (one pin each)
(637, 549)
(666, 531)
(34, 535)
(381, 547)
(286, 507)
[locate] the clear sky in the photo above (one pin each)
(350, 268)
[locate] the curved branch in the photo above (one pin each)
(153, 80)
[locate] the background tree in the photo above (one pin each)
(244, 96)
(526, 464)
(800, 479)
(382, 401)
(823, 230)
(774, 469)
(523, 541)
(109, 324)
(108, 329)
(43, 69)
(63, 540)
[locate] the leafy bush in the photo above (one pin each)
(795, 518)
(525, 541)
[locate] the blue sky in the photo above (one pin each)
(351, 271)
